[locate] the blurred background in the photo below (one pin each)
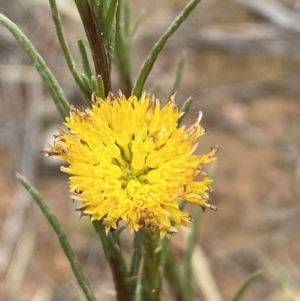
(243, 69)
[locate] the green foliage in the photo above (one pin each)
(188, 273)
(61, 235)
(185, 108)
(110, 29)
(65, 48)
(40, 65)
(151, 59)
(107, 24)
(123, 47)
(98, 87)
(239, 294)
(179, 73)
(84, 59)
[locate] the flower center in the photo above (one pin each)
(129, 174)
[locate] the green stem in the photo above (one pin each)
(148, 64)
(95, 37)
(116, 262)
(65, 48)
(40, 65)
(152, 273)
(61, 235)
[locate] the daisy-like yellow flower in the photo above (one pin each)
(129, 161)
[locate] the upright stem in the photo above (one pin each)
(116, 262)
(152, 273)
(120, 285)
(95, 36)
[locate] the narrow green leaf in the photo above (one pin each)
(170, 266)
(97, 8)
(126, 11)
(137, 23)
(148, 64)
(179, 73)
(97, 86)
(245, 285)
(137, 254)
(65, 48)
(100, 87)
(110, 246)
(110, 28)
(132, 284)
(61, 235)
(49, 79)
(188, 271)
(84, 59)
(165, 245)
(94, 83)
(123, 54)
(135, 262)
(184, 109)
(88, 86)
(173, 276)
(103, 10)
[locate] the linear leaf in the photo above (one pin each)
(61, 235)
(40, 65)
(245, 285)
(148, 64)
(84, 59)
(110, 28)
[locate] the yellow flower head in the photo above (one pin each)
(129, 161)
